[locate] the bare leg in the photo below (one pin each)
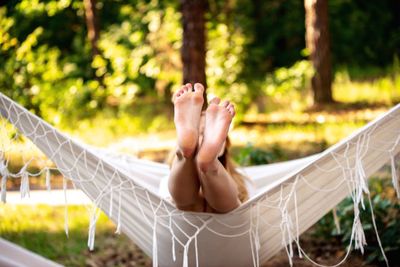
(183, 183)
(218, 187)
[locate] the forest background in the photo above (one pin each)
(256, 55)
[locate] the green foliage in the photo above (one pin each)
(386, 210)
(355, 44)
(224, 65)
(249, 156)
(290, 86)
(275, 35)
(254, 54)
(53, 75)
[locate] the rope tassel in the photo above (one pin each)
(4, 174)
(336, 220)
(92, 230)
(361, 183)
(155, 248)
(24, 185)
(48, 177)
(65, 207)
(3, 188)
(395, 177)
(359, 235)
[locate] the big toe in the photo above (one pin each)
(198, 87)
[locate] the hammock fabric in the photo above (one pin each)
(290, 197)
(13, 255)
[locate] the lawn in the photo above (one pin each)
(40, 228)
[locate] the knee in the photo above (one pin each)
(207, 167)
(228, 206)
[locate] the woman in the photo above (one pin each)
(202, 176)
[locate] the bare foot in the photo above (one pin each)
(187, 110)
(218, 120)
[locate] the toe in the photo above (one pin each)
(215, 101)
(188, 87)
(231, 110)
(198, 87)
(225, 103)
(179, 92)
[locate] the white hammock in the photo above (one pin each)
(290, 196)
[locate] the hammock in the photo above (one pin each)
(13, 255)
(290, 197)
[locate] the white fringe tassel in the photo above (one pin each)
(48, 177)
(4, 176)
(395, 177)
(65, 207)
(24, 185)
(92, 229)
(336, 220)
(359, 235)
(155, 246)
(3, 188)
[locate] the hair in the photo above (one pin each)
(230, 166)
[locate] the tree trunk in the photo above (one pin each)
(318, 44)
(194, 42)
(92, 25)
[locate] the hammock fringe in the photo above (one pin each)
(283, 208)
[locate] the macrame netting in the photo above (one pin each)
(290, 196)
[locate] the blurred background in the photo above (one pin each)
(302, 74)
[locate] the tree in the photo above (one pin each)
(194, 42)
(92, 24)
(318, 44)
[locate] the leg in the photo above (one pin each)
(184, 184)
(218, 187)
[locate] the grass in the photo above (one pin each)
(384, 90)
(41, 229)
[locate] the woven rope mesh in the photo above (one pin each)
(126, 189)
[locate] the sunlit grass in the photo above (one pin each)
(384, 89)
(41, 229)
